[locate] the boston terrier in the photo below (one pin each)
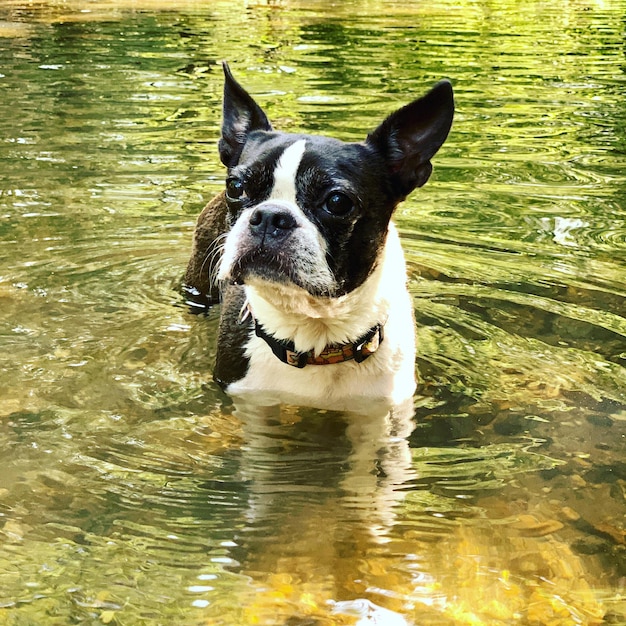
(301, 250)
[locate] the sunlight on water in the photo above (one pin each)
(132, 491)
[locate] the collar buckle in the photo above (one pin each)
(366, 346)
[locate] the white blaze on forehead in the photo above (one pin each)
(286, 170)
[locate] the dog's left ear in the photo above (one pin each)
(241, 116)
(410, 137)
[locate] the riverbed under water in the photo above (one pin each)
(130, 492)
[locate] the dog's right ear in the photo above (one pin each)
(241, 116)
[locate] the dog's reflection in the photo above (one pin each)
(324, 488)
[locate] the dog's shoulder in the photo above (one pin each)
(233, 335)
(199, 284)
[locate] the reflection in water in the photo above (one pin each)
(323, 497)
(131, 492)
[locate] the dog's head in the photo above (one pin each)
(312, 212)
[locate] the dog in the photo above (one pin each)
(302, 253)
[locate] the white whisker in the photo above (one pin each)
(213, 257)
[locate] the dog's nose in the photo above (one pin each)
(270, 220)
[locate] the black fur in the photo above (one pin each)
(234, 330)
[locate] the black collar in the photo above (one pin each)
(359, 350)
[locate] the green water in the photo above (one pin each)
(129, 492)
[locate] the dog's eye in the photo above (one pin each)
(338, 204)
(234, 188)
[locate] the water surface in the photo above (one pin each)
(130, 492)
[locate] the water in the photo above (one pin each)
(131, 494)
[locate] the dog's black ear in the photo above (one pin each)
(410, 137)
(241, 115)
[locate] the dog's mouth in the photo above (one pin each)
(260, 262)
(275, 266)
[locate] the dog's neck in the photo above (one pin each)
(289, 313)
